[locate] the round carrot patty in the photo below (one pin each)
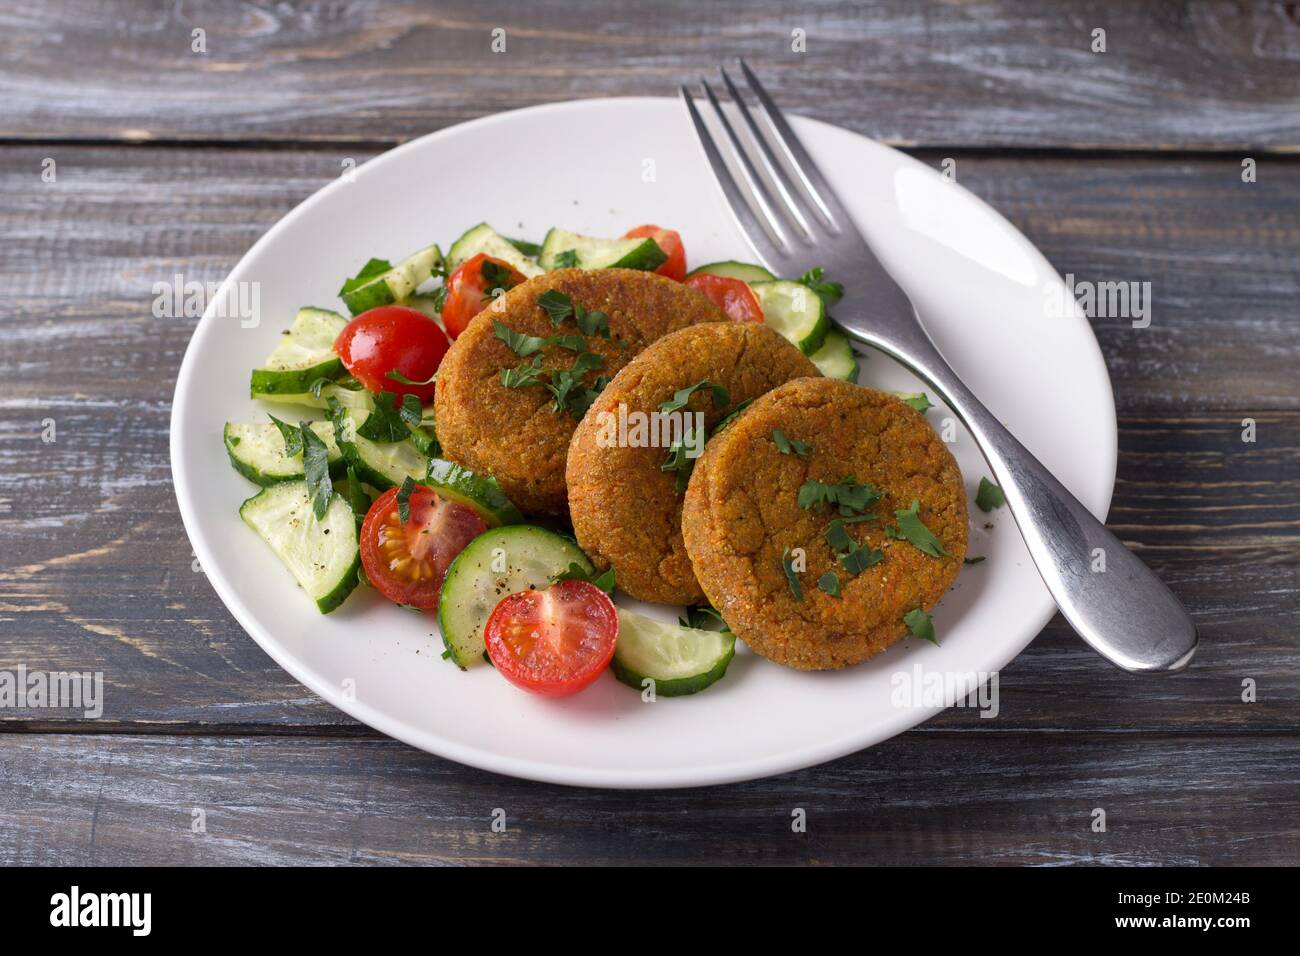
(775, 522)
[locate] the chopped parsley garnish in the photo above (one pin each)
(396, 376)
(911, 528)
(975, 560)
(568, 259)
(316, 469)
(526, 247)
(525, 345)
(566, 387)
(556, 304)
(920, 624)
(791, 578)
(373, 268)
(830, 583)
(591, 323)
(829, 292)
(603, 580)
(357, 497)
(787, 445)
(496, 278)
(860, 558)
(404, 499)
(439, 298)
(989, 496)
(918, 400)
(701, 617)
(849, 495)
(682, 396)
(731, 416)
(523, 374)
(391, 422)
(837, 537)
(679, 458)
(292, 436)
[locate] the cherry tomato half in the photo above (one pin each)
(393, 338)
(470, 289)
(406, 561)
(670, 241)
(730, 295)
(553, 642)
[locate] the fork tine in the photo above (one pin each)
(767, 242)
(798, 207)
(772, 206)
(800, 163)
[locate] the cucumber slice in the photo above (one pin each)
(680, 660)
(382, 465)
(643, 254)
(795, 311)
(303, 355)
(744, 271)
(322, 555)
(483, 238)
(257, 452)
(502, 561)
(836, 359)
(427, 303)
(348, 397)
(480, 492)
(395, 285)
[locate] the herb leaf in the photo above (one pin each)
(989, 496)
(791, 578)
(787, 445)
(525, 345)
(387, 424)
(566, 387)
(591, 323)
(568, 259)
(829, 292)
(731, 416)
(701, 616)
(556, 304)
(292, 437)
(375, 267)
(603, 580)
(974, 560)
(682, 396)
(860, 558)
(316, 469)
(920, 624)
(404, 500)
(918, 400)
(850, 495)
(357, 497)
(911, 528)
(526, 247)
(497, 278)
(396, 376)
(523, 374)
(830, 583)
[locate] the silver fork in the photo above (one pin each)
(793, 220)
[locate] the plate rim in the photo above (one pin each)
(619, 778)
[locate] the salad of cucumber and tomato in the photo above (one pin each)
(355, 488)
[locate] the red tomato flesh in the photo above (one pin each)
(472, 287)
(670, 241)
(393, 338)
(553, 642)
(732, 296)
(406, 562)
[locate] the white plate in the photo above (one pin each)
(600, 167)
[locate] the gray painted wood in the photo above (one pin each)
(988, 73)
(917, 799)
(96, 572)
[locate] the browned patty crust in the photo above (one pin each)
(513, 434)
(626, 510)
(741, 513)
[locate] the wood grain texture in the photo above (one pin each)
(917, 799)
(1198, 73)
(98, 569)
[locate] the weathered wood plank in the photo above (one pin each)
(918, 799)
(97, 570)
(1222, 257)
(988, 73)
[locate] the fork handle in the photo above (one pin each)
(1113, 600)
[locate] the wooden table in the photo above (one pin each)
(1124, 165)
